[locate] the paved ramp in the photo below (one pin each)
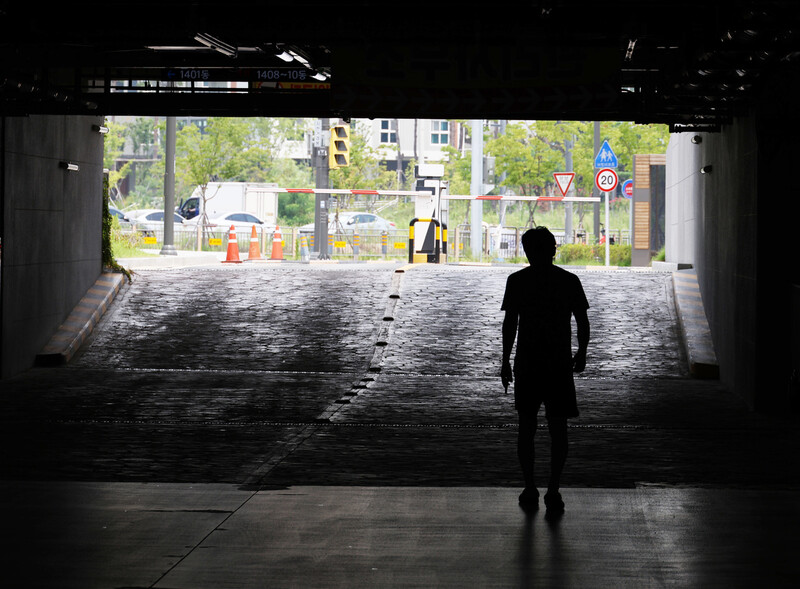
(344, 426)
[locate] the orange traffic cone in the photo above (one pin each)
(255, 250)
(277, 245)
(233, 248)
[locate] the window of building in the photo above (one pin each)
(388, 131)
(440, 132)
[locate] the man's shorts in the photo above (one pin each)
(556, 391)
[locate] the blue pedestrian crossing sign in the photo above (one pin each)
(606, 158)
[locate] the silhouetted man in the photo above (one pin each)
(540, 300)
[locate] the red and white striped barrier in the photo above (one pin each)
(491, 197)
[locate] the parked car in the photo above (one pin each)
(150, 220)
(351, 221)
(123, 219)
(242, 222)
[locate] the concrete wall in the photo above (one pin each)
(735, 225)
(727, 266)
(683, 191)
(51, 228)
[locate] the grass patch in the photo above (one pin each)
(126, 244)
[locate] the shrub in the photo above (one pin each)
(584, 254)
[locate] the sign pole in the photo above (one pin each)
(321, 201)
(627, 192)
(608, 231)
(606, 181)
(168, 245)
(476, 206)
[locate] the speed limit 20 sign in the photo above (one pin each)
(606, 180)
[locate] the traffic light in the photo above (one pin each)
(339, 152)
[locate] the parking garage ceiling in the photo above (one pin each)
(689, 64)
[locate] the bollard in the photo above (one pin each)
(356, 244)
(385, 244)
(429, 258)
(304, 256)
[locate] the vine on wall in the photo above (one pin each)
(108, 255)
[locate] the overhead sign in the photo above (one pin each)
(606, 158)
(627, 188)
(228, 74)
(606, 180)
(564, 181)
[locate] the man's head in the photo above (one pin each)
(539, 245)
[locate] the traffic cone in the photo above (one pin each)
(255, 250)
(277, 245)
(233, 248)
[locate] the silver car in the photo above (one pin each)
(350, 222)
(150, 220)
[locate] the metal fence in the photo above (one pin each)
(503, 244)
(366, 245)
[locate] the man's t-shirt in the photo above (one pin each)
(545, 299)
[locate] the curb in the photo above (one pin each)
(81, 321)
(694, 325)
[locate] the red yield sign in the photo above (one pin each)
(564, 180)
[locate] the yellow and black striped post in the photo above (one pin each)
(436, 246)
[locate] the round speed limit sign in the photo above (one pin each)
(606, 180)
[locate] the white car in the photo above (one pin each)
(150, 220)
(351, 221)
(242, 222)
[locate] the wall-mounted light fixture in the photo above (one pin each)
(697, 139)
(285, 56)
(629, 50)
(69, 166)
(706, 169)
(215, 44)
(100, 129)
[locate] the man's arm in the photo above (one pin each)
(582, 320)
(509, 335)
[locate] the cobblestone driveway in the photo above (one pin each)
(368, 374)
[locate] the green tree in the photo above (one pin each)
(143, 134)
(628, 139)
(531, 151)
(457, 173)
(216, 154)
(527, 154)
(263, 159)
(366, 170)
(113, 144)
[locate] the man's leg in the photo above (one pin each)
(525, 448)
(558, 457)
